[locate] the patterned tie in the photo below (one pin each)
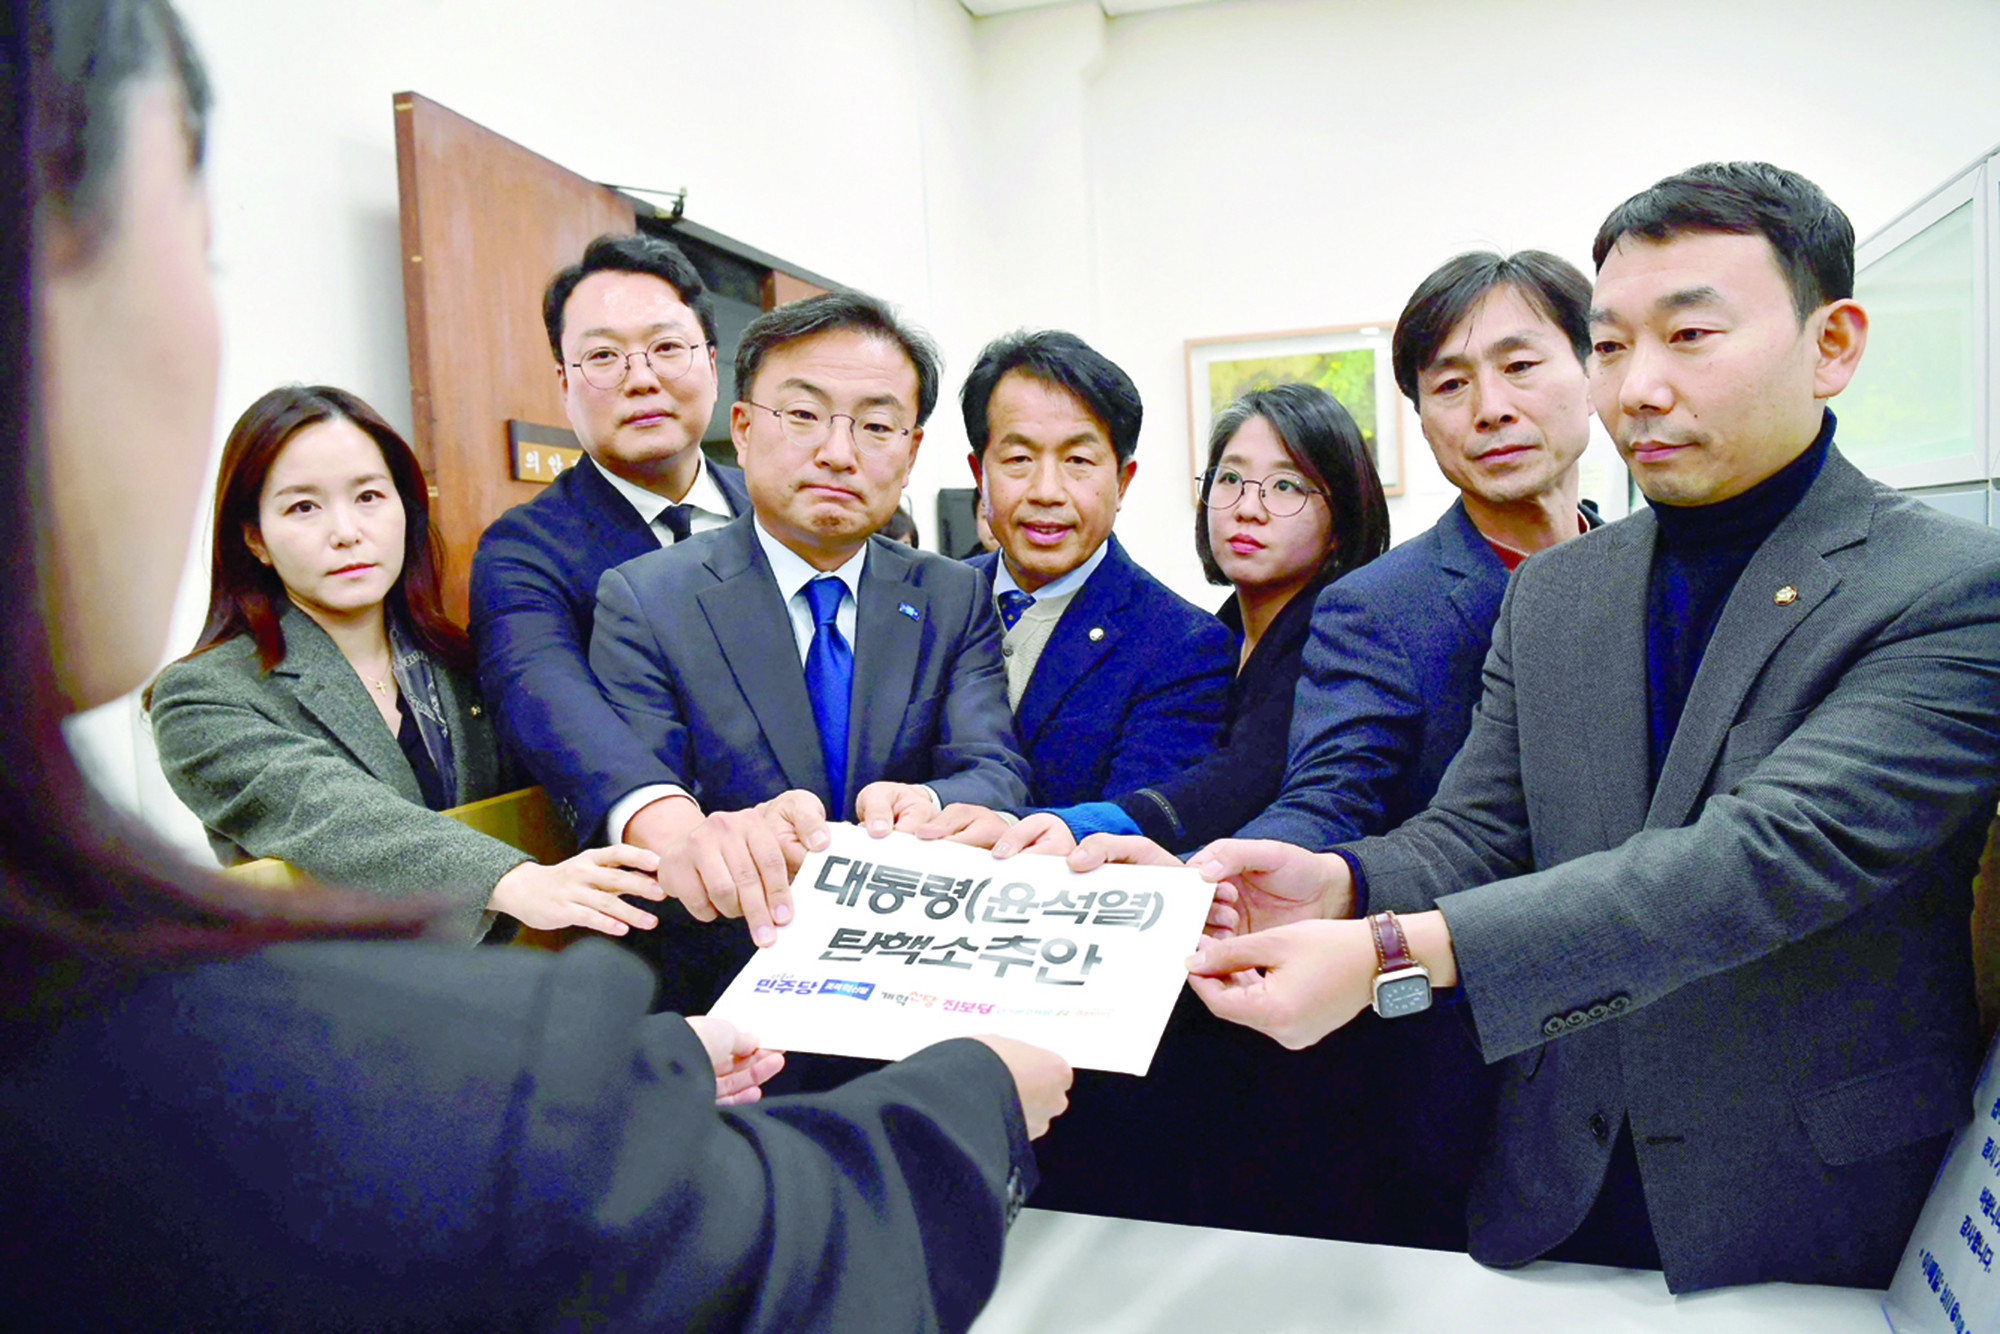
(674, 518)
(830, 680)
(1013, 605)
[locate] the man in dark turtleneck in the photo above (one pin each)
(1702, 869)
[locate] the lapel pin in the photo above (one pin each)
(1096, 633)
(908, 610)
(1785, 596)
(475, 710)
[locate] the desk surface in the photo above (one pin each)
(1068, 1272)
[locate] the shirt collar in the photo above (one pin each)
(1003, 578)
(702, 493)
(793, 573)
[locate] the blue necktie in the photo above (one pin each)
(1013, 605)
(830, 680)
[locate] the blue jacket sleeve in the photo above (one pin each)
(1357, 727)
(533, 639)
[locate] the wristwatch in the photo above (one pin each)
(1402, 985)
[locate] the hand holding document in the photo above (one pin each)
(896, 943)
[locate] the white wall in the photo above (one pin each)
(1262, 165)
(1241, 167)
(830, 135)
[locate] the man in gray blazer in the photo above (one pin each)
(1701, 873)
(790, 652)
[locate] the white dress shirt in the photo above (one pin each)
(707, 506)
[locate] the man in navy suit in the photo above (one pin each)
(1490, 350)
(790, 652)
(1117, 683)
(634, 342)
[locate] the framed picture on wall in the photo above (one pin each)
(1349, 361)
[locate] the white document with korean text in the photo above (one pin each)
(900, 942)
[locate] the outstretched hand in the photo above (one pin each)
(741, 863)
(965, 822)
(883, 808)
(741, 1067)
(1043, 832)
(1262, 883)
(582, 891)
(1294, 983)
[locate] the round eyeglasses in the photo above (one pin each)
(809, 427)
(1282, 494)
(606, 367)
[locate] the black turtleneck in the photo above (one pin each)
(1702, 550)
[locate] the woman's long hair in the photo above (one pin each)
(1328, 450)
(246, 596)
(82, 895)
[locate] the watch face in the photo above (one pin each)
(1402, 993)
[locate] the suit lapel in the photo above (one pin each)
(887, 643)
(1834, 513)
(328, 688)
(616, 530)
(1478, 577)
(753, 629)
(1610, 639)
(1072, 648)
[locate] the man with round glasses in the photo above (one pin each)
(633, 337)
(787, 654)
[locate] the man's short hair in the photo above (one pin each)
(834, 312)
(1552, 285)
(1062, 361)
(1812, 238)
(631, 252)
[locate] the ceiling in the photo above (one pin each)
(1111, 8)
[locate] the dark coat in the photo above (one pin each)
(1237, 780)
(376, 1136)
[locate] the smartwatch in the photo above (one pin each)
(1402, 985)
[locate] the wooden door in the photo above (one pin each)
(485, 224)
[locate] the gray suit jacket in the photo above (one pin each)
(1764, 963)
(694, 649)
(296, 763)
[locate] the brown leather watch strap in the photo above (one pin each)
(1392, 947)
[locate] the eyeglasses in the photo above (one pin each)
(607, 367)
(1282, 494)
(808, 427)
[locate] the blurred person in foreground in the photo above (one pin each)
(228, 1108)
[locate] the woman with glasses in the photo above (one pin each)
(1289, 502)
(327, 713)
(232, 1109)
